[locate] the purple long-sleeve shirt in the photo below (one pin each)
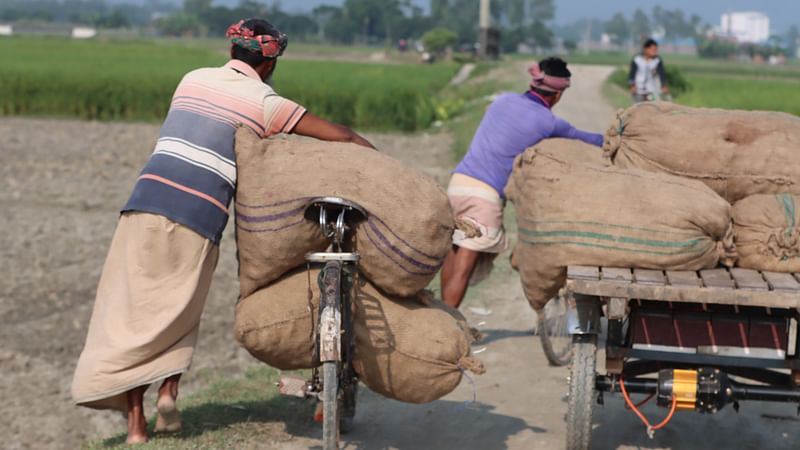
(512, 123)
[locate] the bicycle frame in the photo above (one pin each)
(334, 340)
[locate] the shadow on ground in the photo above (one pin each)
(383, 424)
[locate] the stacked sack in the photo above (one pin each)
(404, 350)
(750, 158)
(573, 210)
(736, 153)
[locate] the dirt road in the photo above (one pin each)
(61, 184)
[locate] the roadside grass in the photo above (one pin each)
(617, 96)
(239, 412)
(475, 95)
(748, 94)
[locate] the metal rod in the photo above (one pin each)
(738, 391)
(743, 391)
(633, 385)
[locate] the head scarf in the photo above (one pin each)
(547, 82)
(268, 46)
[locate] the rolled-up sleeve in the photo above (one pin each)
(281, 115)
(564, 129)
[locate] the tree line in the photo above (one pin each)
(384, 22)
(674, 26)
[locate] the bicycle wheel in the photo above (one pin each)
(330, 405)
(556, 341)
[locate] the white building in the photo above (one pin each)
(83, 33)
(6, 30)
(748, 27)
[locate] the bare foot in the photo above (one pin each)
(137, 424)
(168, 419)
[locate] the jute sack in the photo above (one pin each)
(571, 150)
(404, 350)
(402, 245)
(580, 214)
(737, 153)
(767, 233)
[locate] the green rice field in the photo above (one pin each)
(134, 80)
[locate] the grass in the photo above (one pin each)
(241, 412)
(748, 94)
(134, 80)
(710, 89)
(472, 98)
(722, 84)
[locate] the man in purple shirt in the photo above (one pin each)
(512, 123)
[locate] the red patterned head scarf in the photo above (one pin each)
(547, 82)
(265, 44)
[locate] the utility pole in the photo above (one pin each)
(488, 37)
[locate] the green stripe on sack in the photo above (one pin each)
(607, 225)
(611, 238)
(611, 247)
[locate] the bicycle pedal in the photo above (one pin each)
(293, 387)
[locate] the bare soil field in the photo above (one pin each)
(62, 183)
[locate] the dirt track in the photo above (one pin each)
(62, 183)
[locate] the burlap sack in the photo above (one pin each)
(579, 214)
(404, 350)
(737, 153)
(767, 233)
(571, 150)
(402, 245)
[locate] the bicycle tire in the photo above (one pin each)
(582, 392)
(556, 357)
(330, 405)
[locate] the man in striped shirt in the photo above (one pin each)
(158, 271)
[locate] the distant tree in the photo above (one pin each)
(528, 22)
(793, 41)
(570, 45)
(619, 29)
(716, 48)
(114, 20)
(438, 40)
(640, 26)
(459, 16)
(675, 26)
(182, 24)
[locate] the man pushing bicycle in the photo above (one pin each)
(158, 270)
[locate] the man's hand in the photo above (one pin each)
(664, 90)
(316, 127)
(633, 89)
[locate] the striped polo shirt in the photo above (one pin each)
(191, 176)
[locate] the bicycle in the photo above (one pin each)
(335, 385)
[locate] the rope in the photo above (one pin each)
(651, 429)
(466, 403)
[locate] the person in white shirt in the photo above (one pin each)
(647, 78)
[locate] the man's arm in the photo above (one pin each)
(564, 129)
(632, 75)
(316, 127)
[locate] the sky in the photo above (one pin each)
(782, 13)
